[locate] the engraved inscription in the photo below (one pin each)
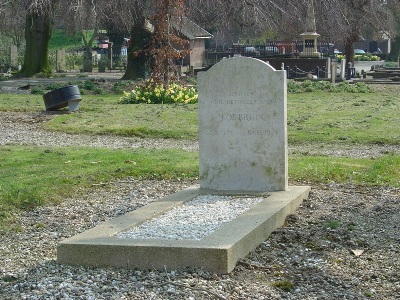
(240, 101)
(240, 117)
(235, 101)
(219, 133)
(267, 132)
(241, 94)
(241, 98)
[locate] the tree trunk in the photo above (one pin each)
(38, 30)
(349, 50)
(87, 54)
(140, 36)
(87, 61)
(395, 49)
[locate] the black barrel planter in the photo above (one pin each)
(66, 96)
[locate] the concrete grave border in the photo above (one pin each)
(218, 252)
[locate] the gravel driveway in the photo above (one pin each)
(343, 242)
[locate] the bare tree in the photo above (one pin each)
(347, 21)
(340, 20)
(12, 21)
(344, 21)
(167, 45)
(279, 18)
(3, 5)
(38, 29)
(81, 17)
(394, 7)
(129, 16)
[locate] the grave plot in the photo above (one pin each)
(243, 154)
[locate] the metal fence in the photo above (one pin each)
(296, 72)
(71, 60)
(281, 49)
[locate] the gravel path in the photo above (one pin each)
(25, 129)
(343, 242)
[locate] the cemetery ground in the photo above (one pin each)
(63, 173)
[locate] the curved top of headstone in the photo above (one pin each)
(238, 73)
(241, 61)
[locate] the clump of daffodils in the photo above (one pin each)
(153, 93)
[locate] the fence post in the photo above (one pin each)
(328, 69)
(110, 55)
(343, 69)
(333, 72)
(349, 71)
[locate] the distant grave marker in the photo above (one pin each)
(60, 60)
(14, 56)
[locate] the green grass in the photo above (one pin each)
(384, 171)
(284, 285)
(331, 118)
(101, 114)
(61, 39)
(21, 102)
(32, 176)
(344, 118)
(163, 121)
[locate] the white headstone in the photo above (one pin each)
(343, 69)
(14, 56)
(60, 60)
(242, 126)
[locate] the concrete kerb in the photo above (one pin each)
(218, 252)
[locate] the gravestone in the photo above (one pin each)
(60, 60)
(242, 126)
(243, 151)
(14, 56)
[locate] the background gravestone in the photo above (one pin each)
(60, 60)
(242, 126)
(13, 56)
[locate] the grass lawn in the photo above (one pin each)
(33, 176)
(60, 39)
(313, 118)
(344, 118)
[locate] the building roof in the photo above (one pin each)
(191, 30)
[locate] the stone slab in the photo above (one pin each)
(218, 252)
(242, 126)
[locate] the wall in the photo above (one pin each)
(197, 56)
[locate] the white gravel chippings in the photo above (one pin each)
(342, 243)
(194, 220)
